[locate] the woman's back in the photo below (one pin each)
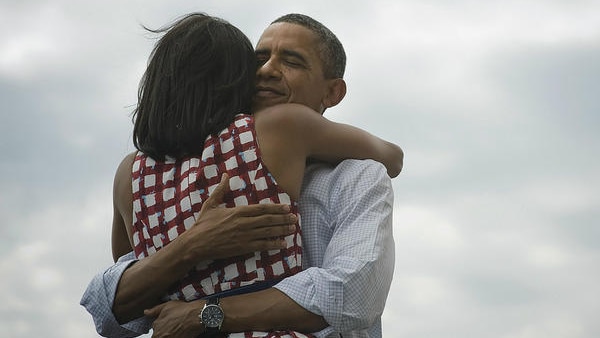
(168, 194)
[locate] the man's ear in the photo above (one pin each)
(335, 94)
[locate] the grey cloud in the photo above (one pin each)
(485, 143)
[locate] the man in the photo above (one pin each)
(346, 218)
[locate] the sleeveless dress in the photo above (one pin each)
(167, 197)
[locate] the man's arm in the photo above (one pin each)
(122, 292)
(347, 237)
(351, 248)
(217, 233)
(98, 300)
(267, 310)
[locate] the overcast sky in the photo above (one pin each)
(496, 104)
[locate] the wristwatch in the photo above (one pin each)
(212, 315)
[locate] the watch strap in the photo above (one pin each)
(212, 301)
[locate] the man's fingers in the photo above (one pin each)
(270, 244)
(217, 195)
(275, 231)
(262, 209)
(267, 221)
(216, 198)
(155, 311)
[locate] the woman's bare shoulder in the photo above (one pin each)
(285, 115)
(124, 169)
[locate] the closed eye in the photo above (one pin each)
(294, 63)
(294, 58)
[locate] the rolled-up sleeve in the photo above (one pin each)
(98, 300)
(350, 251)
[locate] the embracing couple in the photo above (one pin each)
(244, 212)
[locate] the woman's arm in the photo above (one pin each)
(310, 133)
(122, 209)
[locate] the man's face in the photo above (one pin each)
(289, 68)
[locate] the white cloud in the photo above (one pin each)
(423, 291)
(566, 195)
(556, 326)
(18, 52)
(424, 228)
(62, 245)
(35, 44)
(548, 256)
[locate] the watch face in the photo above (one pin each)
(212, 316)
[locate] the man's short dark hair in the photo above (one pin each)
(332, 52)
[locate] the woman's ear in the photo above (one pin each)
(335, 93)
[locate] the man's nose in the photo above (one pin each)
(269, 70)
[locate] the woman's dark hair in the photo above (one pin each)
(199, 76)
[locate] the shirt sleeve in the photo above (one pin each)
(349, 288)
(98, 300)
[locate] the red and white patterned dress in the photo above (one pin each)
(167, 197)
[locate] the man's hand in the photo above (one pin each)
(176, 319)
(225, 232)
(218, 233)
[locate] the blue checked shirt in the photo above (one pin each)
(348, 255)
